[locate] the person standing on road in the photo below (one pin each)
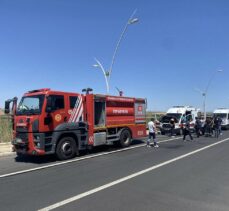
(202, 125)
(198, 127)
(217, 124)
(172, 126)
(208, 127)
(152, 134)
(186, 130)
(220, 127)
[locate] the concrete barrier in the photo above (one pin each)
(6, 149)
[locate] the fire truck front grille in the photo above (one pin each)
(22, 136)
(21, 129)
(22, 133)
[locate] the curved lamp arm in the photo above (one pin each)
(105, 73)
(131, 20)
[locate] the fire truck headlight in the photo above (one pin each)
(36, 140)
(38, 145)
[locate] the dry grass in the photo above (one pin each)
(155, 115)
(6, 133)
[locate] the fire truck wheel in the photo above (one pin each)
(66, 148)
(21, 156)
(125, 138)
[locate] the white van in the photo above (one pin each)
(180, 114)
(223, 113)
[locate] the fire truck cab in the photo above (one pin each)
(64, 123)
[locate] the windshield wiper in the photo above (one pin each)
(28, 112)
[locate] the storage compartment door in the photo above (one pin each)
(99, 114)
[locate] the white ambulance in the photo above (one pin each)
(223, 113)
(180, 114)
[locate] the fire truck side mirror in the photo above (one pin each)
(7, 107)
(48, 109)
(48, 120)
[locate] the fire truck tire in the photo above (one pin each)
(125, 138)
(21, 156)
(66, 148)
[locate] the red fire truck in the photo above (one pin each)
(63, 123)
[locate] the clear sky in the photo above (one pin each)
(174, 48)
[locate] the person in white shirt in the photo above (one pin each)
(152, 134)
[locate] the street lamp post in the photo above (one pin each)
(107, 73)
(204, 93)
(204, 101)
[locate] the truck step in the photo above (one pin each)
(111, 136)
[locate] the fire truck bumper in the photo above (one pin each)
(36, 147)
(19, 146)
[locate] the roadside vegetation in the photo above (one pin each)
(6, 132)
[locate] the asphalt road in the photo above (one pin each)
(176, 176)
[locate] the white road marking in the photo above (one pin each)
(108, 185)
(78, 159)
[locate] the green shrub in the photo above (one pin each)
(6, 133)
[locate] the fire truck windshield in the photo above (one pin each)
(30, 105)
